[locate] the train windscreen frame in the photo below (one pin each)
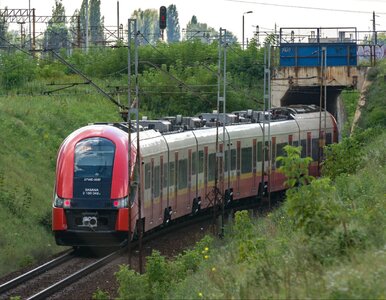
(93, 169)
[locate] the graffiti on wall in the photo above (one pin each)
(365, 53)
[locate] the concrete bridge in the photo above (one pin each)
(316, 64)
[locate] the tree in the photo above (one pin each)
(56, 35)
(173, 26)
(96, 22)
(75, 38)
(199, 31)
(83, 21)
(3, 33)
(147, 25)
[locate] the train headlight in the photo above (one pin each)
(62, 203)
(121, 203)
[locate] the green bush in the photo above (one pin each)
(16, 69)
(372, 73)
(294, 167)
(101, 295)
(131, 284)
(346, 156)
(313, 208)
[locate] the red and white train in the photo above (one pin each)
(178, 169)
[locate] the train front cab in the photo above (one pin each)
(90, 201)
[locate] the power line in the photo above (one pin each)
(306, 7)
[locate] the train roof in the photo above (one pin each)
(169, 125)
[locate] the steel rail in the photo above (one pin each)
(35, 272)
(60, 285)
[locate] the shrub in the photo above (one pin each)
(16, 69)
(100, 295)
(131, 284)
(372, 74)
(313, 208)
(294, 167)
(346, 156)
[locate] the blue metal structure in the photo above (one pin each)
(340, 51)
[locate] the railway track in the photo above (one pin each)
(43, 282)
(53, 276)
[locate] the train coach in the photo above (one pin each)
(95, 203)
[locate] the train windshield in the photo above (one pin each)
(94, 158)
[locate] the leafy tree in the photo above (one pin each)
(56, 35)
(83, 21)
(3, 33)
(199, 31)
(16, 69)
(96, 22)
(294, 167)
(75, 38)
(173, 26)
(313, 208)
(147, 25)
(346, 156)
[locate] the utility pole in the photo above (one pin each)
(265, 186)
(118, 20)
(375, 38)
(219, 188)
(133, 108)
(29, 25)
(86, 16)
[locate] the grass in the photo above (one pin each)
(374, 112)
(32, 129)
(269, 258)
(272, 257)
(278, 257)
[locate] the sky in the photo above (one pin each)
(228, 14)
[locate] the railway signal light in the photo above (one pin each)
(162, 17)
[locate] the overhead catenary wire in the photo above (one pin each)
(307, 7)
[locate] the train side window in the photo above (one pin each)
(156, 181)
(147, 176)
(233, 159)
(303, 143)
(171, 173)
(200, 161)
(315, 149)
(212, 166)
(165, 177)
(182, 174)
(328, 138)
(194, 161)
(246, 160)
(259, 151)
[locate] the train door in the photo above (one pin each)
(156, 191)
(221, 176)
(238, 163)
(182, 183)
(190, 195)
(161, 195)
(152, 190)
(205, 171)
(254, 167)
(175, 180)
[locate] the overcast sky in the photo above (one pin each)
(228, 14)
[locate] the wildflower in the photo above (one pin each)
(213, 269)
(206, 256)
(206, 249)
(200, 294)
